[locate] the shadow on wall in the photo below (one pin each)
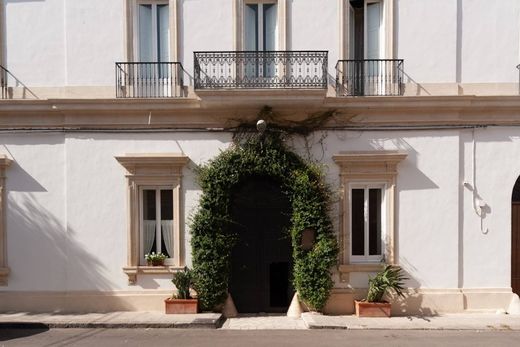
(44, 255)
(21, 181)
(416, 179)
(412, 303)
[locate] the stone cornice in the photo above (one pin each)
(224, 109)
(165, 161)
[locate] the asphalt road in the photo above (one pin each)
(252, 338)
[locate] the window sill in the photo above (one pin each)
(133, 271)
(361, 267)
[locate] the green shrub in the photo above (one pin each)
(390, 278)
(183, 282)
(309, 197)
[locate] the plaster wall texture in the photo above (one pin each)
(314, 25)
(75, 43)
(205, 26)
(66, 206)
(94, 41)
(35, 42)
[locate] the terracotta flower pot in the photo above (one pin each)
(158, 262)
(372, 309)
(180, 306)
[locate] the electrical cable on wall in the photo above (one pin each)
(478, 203)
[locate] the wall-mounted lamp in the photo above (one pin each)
(261, 125)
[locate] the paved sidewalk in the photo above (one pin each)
(263, 321)
(111, 320)
(471, 321)
(474, 321)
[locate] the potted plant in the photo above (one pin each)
(155, 259)
(182, 302)
(390, 278)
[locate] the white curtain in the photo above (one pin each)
(148, 235)
(167, 233)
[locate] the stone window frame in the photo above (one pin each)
(152, 170)
(130, 9)
(367, 167)
(4, 269)
(388, 23)
(238, 23)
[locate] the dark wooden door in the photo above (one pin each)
(515, 247)
(260, 264)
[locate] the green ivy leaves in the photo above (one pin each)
(310, 199)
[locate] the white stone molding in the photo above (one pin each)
(363, 167)
(152, 170)
(2, 33)
(4, 269)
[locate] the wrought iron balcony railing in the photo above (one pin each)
(261, 70)
(12, 88)
(149, 80)
(4, 92)
(369, 77)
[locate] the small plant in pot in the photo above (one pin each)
(155, 259)
(390, 278)
(182, 302)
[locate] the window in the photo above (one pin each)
(4, 269)
(154, 211)
(365, 26)
(156, 222)
(153, 32)
(367, 221)
(260, 26)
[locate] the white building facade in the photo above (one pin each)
(109, 107)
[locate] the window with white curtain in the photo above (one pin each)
(156, 222)
(153, 32)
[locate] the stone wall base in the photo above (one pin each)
(428, 302)
(417, 301)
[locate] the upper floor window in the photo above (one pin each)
(260, 26)
(365, 29)
(153, 39)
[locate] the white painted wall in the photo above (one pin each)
(75, 43)
(66, 210)
(35, 42)
(94, 41)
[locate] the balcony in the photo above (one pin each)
(261, 70)
(150, 80)
(369, 77)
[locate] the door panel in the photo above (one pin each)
(515, 247)
(261, 258)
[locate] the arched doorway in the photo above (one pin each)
(515, 238)
(261, 257)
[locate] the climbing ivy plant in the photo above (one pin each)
(303, 183)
